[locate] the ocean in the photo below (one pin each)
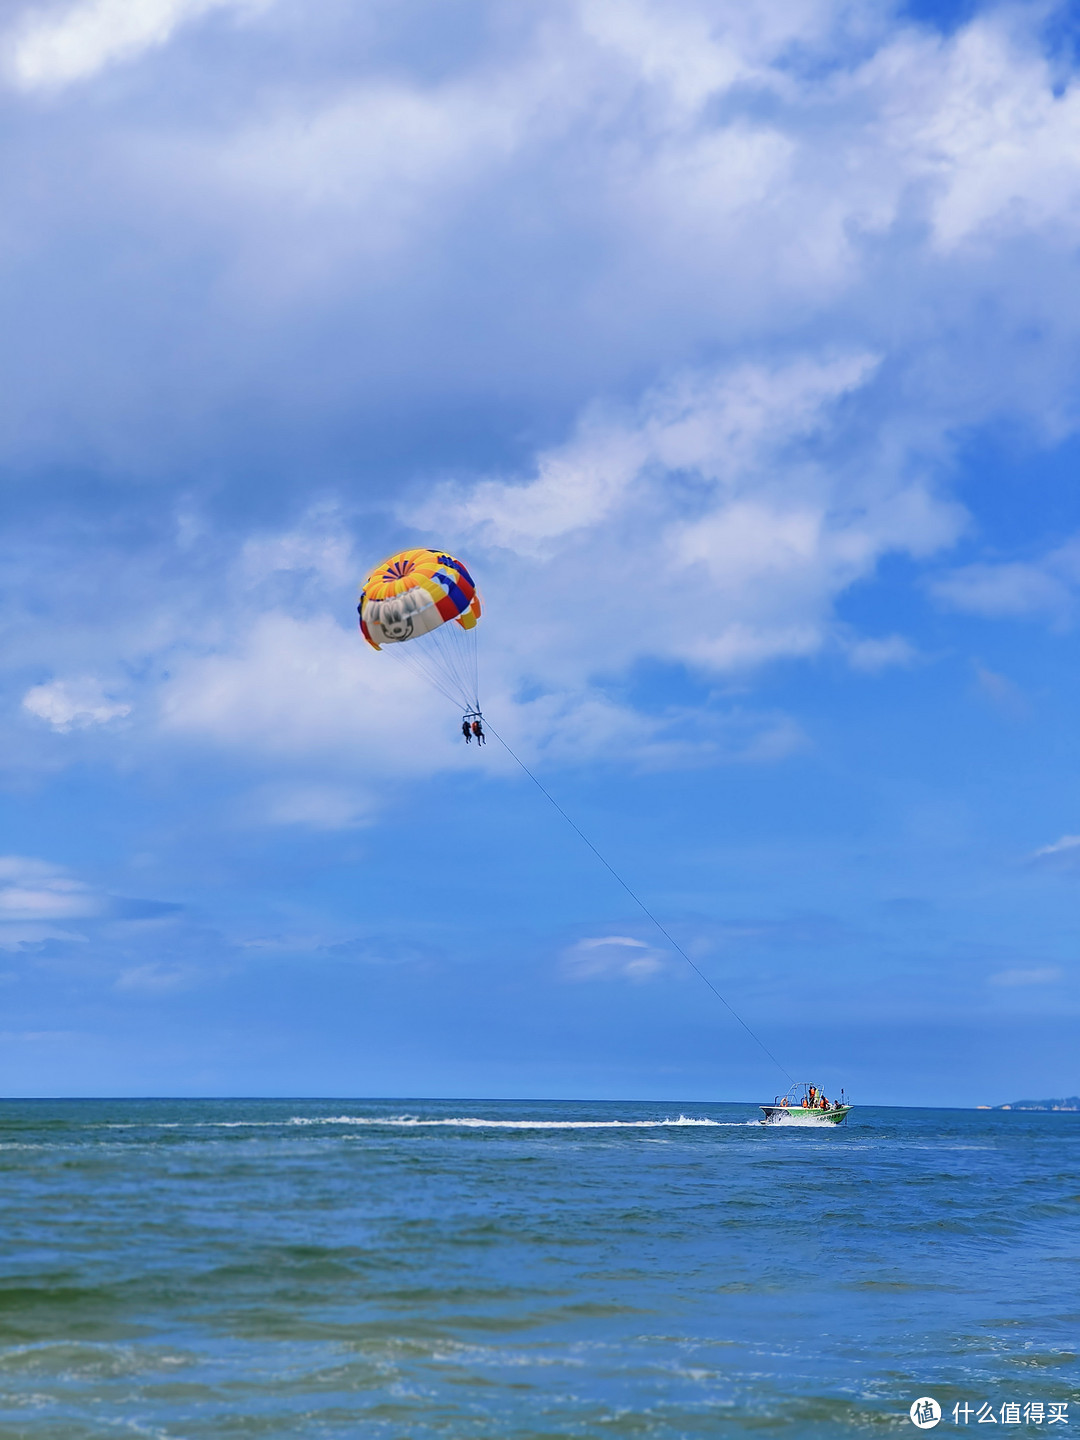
(423, 1268)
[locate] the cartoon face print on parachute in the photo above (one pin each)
(395, 623)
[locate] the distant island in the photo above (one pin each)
(1071, 1102)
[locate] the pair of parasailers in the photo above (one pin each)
(469, 730)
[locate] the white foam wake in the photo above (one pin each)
(479, 1122)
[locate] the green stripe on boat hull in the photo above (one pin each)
(798, 1115)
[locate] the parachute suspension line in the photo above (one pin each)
(446, 661)
(452, 650)
(422, 667)
(474, 651)
(640, 904)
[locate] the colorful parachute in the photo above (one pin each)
(424, 603)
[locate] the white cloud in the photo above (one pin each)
(308, 687)
(879, 653)
(720, 193)
(355, 173)
(839, 222)
(35, 890)
(711, 524)
(723, 426)
(705, 527)
(52, 49)
(24, 867)
(1002, 693)
(1044, 975)
(1015, 589)
(319, 547)
(999, 136)
(154, 979)
(73, 704)
(1063, 854)
(314, 806)
(59, 899)
(611, 957)
(568, 727)
(1002, 590)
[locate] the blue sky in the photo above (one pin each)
(736, 349)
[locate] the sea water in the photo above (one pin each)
(343, 1268)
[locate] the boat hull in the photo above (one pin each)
(797, 1115)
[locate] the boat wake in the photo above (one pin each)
(479, 1122)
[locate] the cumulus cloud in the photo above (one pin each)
(711, 193)
(717, 425)
(291, 686)
(73, 704)
(738, 397)
(306, 693)
(706, 526)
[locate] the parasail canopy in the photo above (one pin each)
(424, 604)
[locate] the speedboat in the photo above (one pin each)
(805, 1105)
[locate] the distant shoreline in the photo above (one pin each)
(1069, 1103)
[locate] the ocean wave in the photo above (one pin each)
(197, 1125)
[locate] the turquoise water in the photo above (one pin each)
(235, 1268)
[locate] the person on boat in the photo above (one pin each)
(466, 732)
(784, 1104)
(812, 1093)
(478, 731)
(824, 1102)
